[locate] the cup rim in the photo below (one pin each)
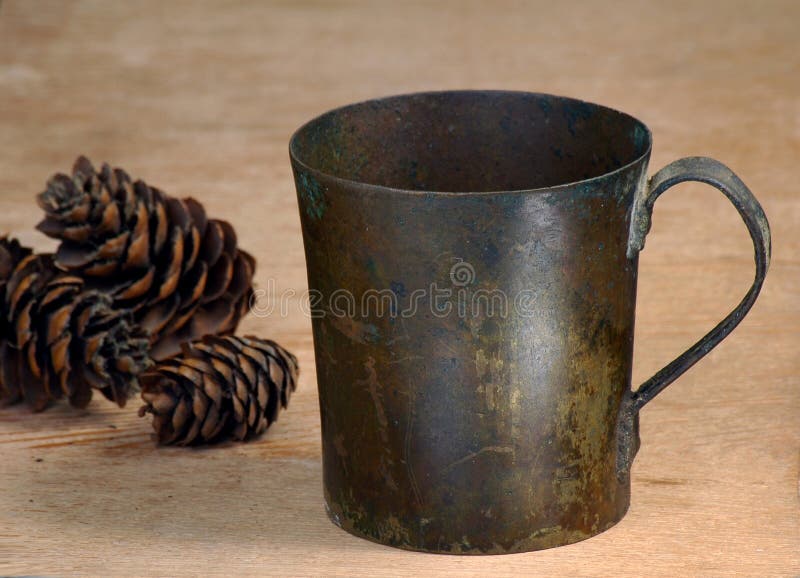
(379, 188)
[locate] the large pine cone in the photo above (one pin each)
(63, 340)
(180, 273)
(218, 388)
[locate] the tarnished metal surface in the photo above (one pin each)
(473, 321)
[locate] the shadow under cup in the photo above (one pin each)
(473, 309)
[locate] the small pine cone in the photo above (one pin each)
(63, 340)
(218, 388)
(181, 274)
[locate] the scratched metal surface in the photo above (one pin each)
(455, 420)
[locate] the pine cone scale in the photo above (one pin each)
(58, 355)
(23, 324)
(162, 226)
(59, 320)
(113, 248)
(111, 221)
(20, 286)
(72, 255)
(33, 389)
(213, 244)
(139, 249)
(194, 252)
(137, 288)
(193, 285)
(244, 267)
(198, 215)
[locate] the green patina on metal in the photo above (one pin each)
(313, 197)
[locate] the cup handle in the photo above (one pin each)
(714, 173)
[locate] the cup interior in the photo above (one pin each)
(470, 141)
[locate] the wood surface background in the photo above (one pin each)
(200, 98)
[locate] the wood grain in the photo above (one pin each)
(200, 98)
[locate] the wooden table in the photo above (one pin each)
(200, 98)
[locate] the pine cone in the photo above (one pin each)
(63, 340)
(180, 273)
(217, 388)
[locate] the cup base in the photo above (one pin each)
(542, 539)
